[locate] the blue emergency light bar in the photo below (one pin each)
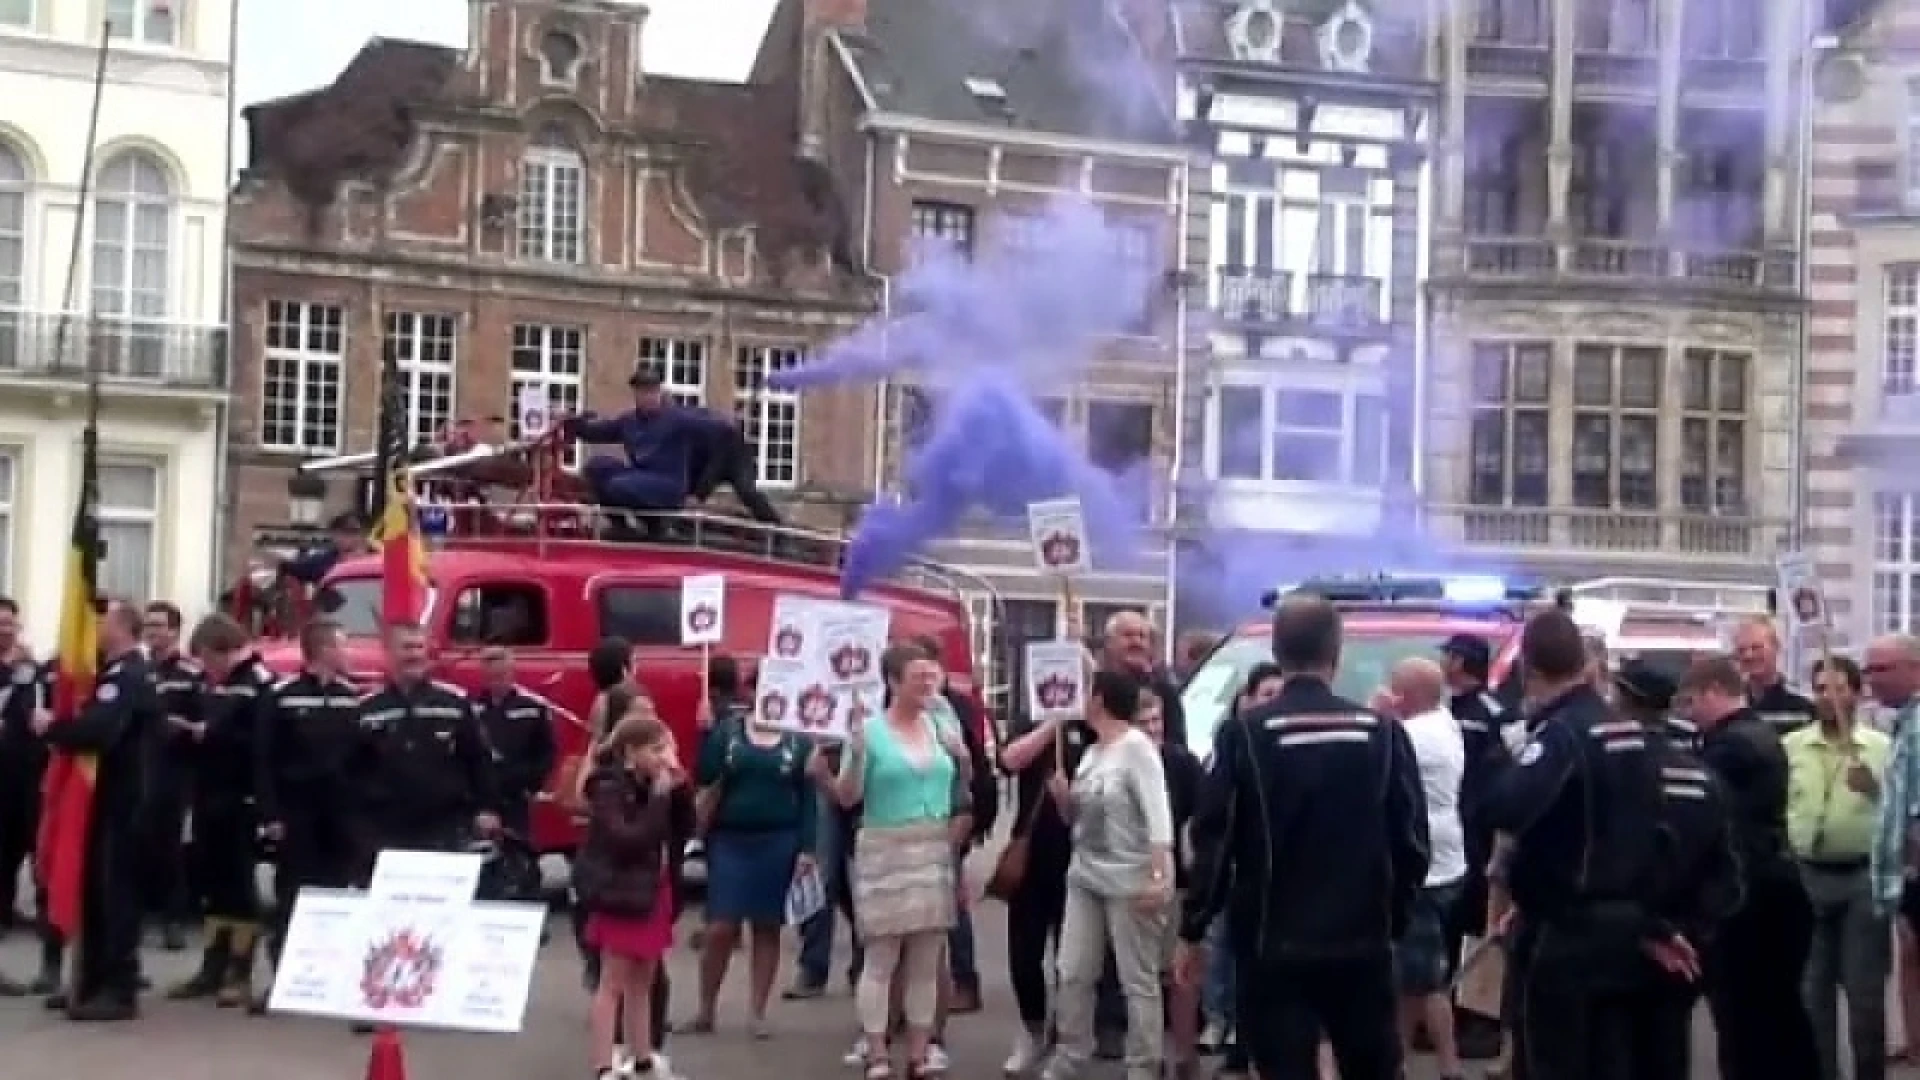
(1464, 591)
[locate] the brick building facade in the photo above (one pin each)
(535, 210)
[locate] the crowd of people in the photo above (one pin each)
(1632, 843)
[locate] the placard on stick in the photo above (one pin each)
(703, 609)
(1059, 529)
(1056, 680)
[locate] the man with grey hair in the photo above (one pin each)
(1126, 646)
(1892, 673)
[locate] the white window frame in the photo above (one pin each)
(560, 353)
(762, 409)
(1337, 259)
(1913, 142)
(1900, 337)
(9, 500)
(1895, 540)
(543, 232)
(682, 366)
(14, 190)
(1351, 394)
(951, 223)
(149, 518)
(311, 367)
(138, 21)
(426, 346)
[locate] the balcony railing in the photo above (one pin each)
(155, 351)
(1509, 61)
(1261, 297)
(1723, 75)
(1619, 258)
(1344, 300)
(1511, 255)
(1615, 532)
(1595, 70)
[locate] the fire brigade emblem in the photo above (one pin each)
(789, 641)
(401, 971)
(702, 618)
(850, 662)
(1060, 549)
(1058, 692)
(773, 709)
(816, 708)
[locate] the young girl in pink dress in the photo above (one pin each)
(624, 878)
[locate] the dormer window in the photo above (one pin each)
(559, 58)
(1255, 30)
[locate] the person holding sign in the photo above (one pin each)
(908, 780)
(625, 878)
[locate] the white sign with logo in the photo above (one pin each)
(703, 609)
(1056, 680)
(414, 950)
(1059, 531)
(1802, 598)
(822, 669)
(535, 411)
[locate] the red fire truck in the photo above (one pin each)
(517, 558)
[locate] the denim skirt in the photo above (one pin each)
(748, 872)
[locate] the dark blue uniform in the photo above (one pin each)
(170, 895)
(519, 729)
(23, 763)
(1581, 805)
(1782, 709)
(421, 770)
(657, 474)
(1756, 963)
(1312, 837)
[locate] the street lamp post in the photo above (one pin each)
(306, 499)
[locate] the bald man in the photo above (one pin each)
(1756, 650)
(1417, 698)
(1892, 672)
(1126, 646)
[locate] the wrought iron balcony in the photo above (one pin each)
(50, 345)
(1723, 75)
(1511, 256)
(1619, 258)
(1594, 69)
(1652, 534)
(1255, 297)
(1344, 301)
(1509, 62)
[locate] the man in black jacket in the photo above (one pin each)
(519, 731)
(1312, 836)
(1755, 966)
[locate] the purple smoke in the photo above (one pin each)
(983, 335)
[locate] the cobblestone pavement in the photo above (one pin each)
(193, 1042)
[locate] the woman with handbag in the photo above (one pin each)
(907, 774)
(624, 878)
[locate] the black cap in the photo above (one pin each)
(1644, 686)
(1473, 653)
(644, 377)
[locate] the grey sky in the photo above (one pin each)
(287, 46)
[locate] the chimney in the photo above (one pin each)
(819, 63)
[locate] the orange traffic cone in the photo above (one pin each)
(386, 1060)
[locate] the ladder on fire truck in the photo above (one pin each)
(1679, 596)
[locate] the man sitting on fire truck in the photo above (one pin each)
(660, 439)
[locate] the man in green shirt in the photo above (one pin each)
(1835, 771)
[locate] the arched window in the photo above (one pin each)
(553, 196)
(132, 260)
(13, 229)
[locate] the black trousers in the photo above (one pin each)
(110, 916)
(316, 850)
(1753, 984)
(1286, 1007)
(225, 853)
(1034, 914)
(19, 819)
(167, 888)
(737, 471)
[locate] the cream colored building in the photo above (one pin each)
(1614, 293)
(144, 305)
(1863, 381)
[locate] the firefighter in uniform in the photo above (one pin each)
(1484, 727)
(1755, 967)
(1576, 817)
(519, 729)
(172, 897)
(226, 819)
(1756, 649)
(1697, 887)
(422, 771)
(114, 727)
(1312, 837)
(23, 762)
(309, 726)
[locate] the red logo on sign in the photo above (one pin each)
(702, 618)
(789, 641)
(816, 708)
(400, 972)
(1060, 548)
(851, 662)
(1058, 692)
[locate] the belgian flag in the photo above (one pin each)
(67, 807)
(396, 529)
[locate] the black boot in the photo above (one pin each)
(215, 959)
(236, 984)
(53, 957)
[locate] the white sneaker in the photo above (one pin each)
(857, 1056)
(1024, 1057)
(936, 1059)
(662, 1068)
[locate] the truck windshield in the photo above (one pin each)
(353, 604)
(1364, 664)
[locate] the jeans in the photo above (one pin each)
(1218, 993)
(1850, 954)
(960, 961)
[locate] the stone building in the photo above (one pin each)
(1615, 302)
(535, 211)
